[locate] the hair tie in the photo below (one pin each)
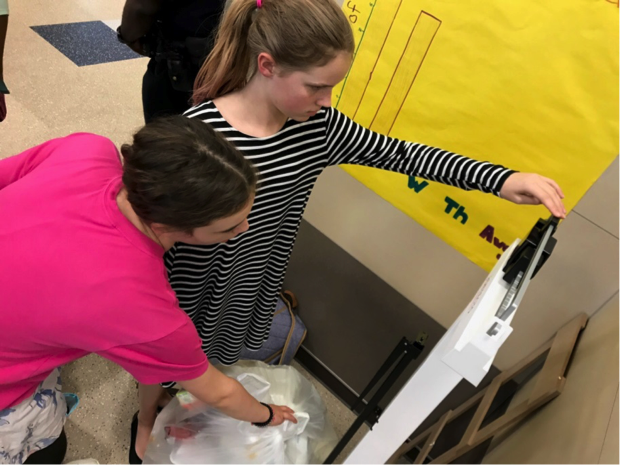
(259, 3)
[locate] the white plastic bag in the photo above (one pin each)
(205, 435)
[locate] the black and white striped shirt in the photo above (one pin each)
(230, 290)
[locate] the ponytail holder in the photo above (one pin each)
(259, 3)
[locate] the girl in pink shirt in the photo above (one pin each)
(82, 238)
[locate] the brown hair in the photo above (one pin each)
(181, 173)
(298, 34)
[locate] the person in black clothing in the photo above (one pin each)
(177, 35)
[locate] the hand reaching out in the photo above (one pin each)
(281, 414)
(533, 189)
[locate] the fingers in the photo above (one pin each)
(533, 189)
(287, 409)
(542, 194)
(550, 198)
(288, 414)
(558, 190)
(555, 186)
(546, 191)
(283, 413)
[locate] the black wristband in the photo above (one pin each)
(265, 423)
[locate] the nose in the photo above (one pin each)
(325, 100)
(243, 227)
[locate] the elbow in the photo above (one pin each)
(218, 394)
(224, 396)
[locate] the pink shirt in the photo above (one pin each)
(76, 277)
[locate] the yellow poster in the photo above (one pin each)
(528, 84)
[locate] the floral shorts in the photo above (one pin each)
(33, 424)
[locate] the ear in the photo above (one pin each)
(168, 235)
(160, 229)
(266, 65)
(165, 232)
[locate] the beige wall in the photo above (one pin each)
(581, 425)
(581, 276)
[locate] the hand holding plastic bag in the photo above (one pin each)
(205, 435)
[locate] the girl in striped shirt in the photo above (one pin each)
(267, 86)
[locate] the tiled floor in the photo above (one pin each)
(66, 74)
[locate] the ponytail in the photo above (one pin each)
(228, 65)
(298, 34)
